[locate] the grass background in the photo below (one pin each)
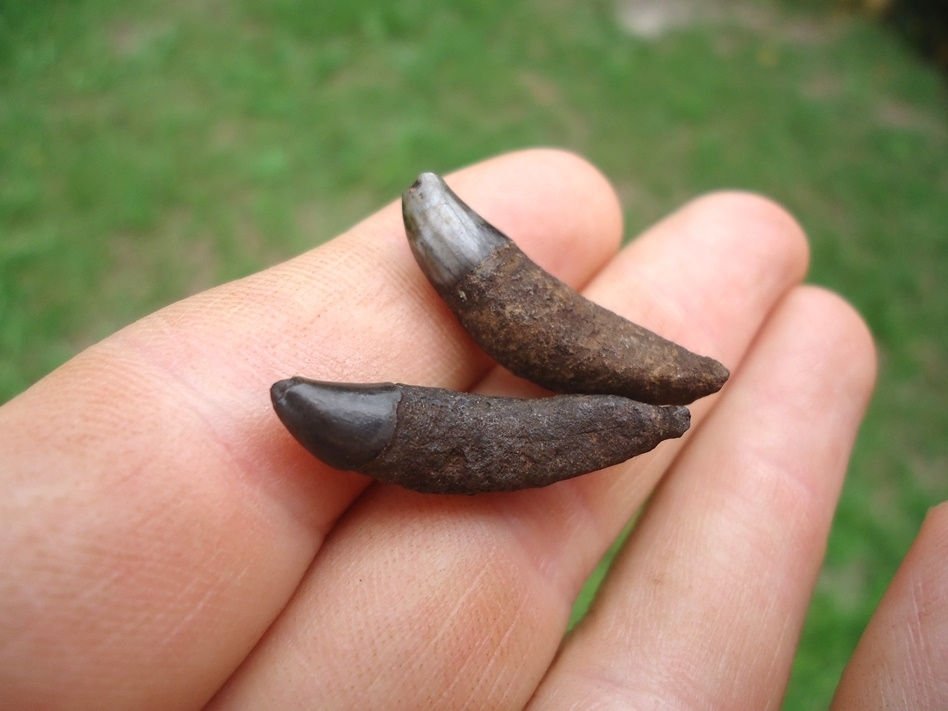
(149, 151)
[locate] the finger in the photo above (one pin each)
(705, 604)
(157, 516)
(901, 662)
(459, 602)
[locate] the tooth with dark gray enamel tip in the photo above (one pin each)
(345, 425)
(532, 323)
(440, 441)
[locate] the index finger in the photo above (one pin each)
(157, 516)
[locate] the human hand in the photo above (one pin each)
(166, 544)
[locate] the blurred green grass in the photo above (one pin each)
(150, 151)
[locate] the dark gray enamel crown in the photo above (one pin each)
(345, 425)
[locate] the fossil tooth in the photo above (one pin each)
(441, 441)
(532, 323)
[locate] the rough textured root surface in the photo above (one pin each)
(456, 443)
(542, 330)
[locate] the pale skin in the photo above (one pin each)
(166, 544)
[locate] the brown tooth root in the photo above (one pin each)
(532, 323)
(446, 442)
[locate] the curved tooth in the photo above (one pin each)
(440, 441)
(534, 324)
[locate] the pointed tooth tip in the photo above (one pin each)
(428, 179)
(344, 425)
(279, 389)
(427, 189)
(447, 237)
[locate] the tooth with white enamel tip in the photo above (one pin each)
(447, 237)
(534, 324)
